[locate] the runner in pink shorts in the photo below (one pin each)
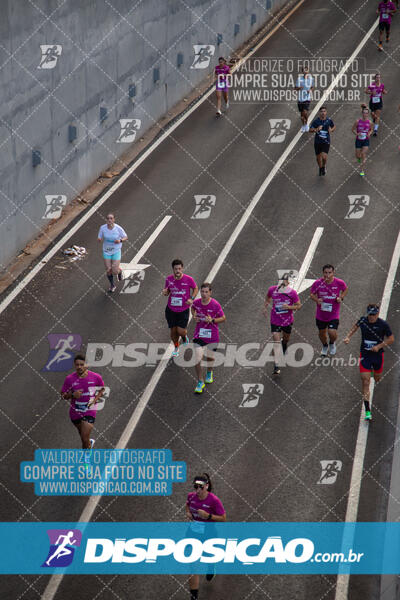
(222, 70)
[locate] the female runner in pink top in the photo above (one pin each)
(362, 129)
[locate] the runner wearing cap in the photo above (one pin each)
(328, 293)
(284, 302)
(208, 315)
(202, 507)
(375, 336)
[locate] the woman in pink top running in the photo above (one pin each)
(222, 70)
(362, 129)
(376, 91)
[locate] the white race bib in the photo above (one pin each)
(205, 333)
(81, 406)
(326, 307)
(109, 249)
(385, 15)
(176, 301)
(279, 310)
(369, 344)
(362, 135)
(323, 133)
(376, 99)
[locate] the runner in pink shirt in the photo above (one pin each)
(181, 290)
(284, 302)
(222, 70)
(208, 315)
(376, 91)
(385, 11)
(202, 506)
(328, 293)
(84, 388)
(362, 129)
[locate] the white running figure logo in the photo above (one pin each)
(62, 346)
(62, 549)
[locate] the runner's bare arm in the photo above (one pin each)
(351, 332)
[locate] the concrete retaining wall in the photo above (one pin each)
(116, 59)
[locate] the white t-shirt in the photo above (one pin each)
(109, 236)
(305, 83)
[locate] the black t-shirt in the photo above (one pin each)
(322, 135)
(372, 333)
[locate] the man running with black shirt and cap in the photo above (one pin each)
(322, 126)
(375, 336)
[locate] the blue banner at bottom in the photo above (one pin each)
(196, 547)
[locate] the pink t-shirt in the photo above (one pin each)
(328, 292)
(211, 504)
(363, 128)
(279, 315)
(384, 15)
(221, 72)
(208, 332)
(179, 291)
(376, 92)
(89, 385)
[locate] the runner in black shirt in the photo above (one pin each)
(375, 336)
(322, 126)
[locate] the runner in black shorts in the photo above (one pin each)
(181, 290)
(322, 126)
(375, 336)
(375, 91)
(385, 11)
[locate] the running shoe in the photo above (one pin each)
(375, 133)
(175, 352)
(185, 341)
(210, 576)
(323, 171)
(227, 105)
(276, 370)
(209, 377)
(359, 160)
(332, 349)
(324, 351)
(91, 440)
(380, 47)
(320, 170)
(112, 289)
(219, 113)
(368, 416)
(362, 173)
(120, 275)
(199, 387)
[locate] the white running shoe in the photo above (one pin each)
(324, 351)
(227, 105)
(332, 349)
(91, 440)
(175, 352)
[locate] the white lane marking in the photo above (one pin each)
(63, 241)
(301, 282)
(362, 437)
(91, 505)
(133, 266)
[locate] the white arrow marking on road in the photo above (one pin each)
(134, 266)
(306, 284)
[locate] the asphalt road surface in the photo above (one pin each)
(263, 457)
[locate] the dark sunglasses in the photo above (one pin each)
(198, 486)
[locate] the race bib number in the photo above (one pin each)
(176, 301)
(197, 527)
(385, 15)
(376, 99)
(81, 406)
(326, 307)
(368, 344)
(362, 135)
(205, 333)
(323, 133)
(279, 310)
(109, 249)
